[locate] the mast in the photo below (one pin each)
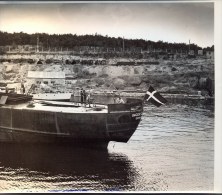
(37, 46)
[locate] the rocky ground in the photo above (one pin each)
(184, 76)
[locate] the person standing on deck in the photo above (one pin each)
(81, 95)
(88, 98)
(84, 96)
(72, 98)
(22, 88)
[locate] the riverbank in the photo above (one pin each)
(142, 93)
(175, 76)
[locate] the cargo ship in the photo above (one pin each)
(24, 120)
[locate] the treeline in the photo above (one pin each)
(70, 41)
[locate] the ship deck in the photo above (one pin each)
(66, 107)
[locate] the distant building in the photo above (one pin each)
(210, 54)
(200, 52)
(48, 78)
(171, 56)
(191, 52)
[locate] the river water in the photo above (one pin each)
(172, 150)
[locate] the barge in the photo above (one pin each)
(24, 120)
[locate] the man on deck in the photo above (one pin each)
(81, 95)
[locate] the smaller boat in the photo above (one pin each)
(47, 95)
(52, 96)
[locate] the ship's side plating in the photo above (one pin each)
(39, 126)
(123, 119)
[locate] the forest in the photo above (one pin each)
(70, 41)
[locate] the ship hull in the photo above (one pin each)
(41, 126)
(36, 138)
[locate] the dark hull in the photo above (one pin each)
(29, 138)
(34, 126)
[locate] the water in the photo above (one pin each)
(172, 149)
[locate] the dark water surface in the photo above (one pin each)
(172, 149)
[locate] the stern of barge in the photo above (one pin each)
(123, 119)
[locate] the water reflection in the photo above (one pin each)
(65, 168)
(172, 149)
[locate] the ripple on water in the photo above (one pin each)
(172, 149)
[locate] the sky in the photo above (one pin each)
(168, 22)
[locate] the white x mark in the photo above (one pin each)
(151, 95)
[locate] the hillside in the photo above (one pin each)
(170, 76)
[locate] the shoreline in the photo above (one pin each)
(184, 78)
(165, 95)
